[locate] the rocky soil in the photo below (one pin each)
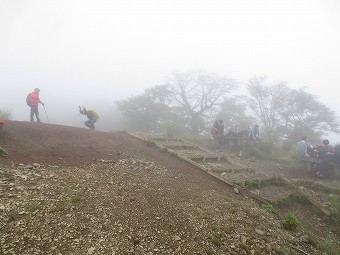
(88, 192)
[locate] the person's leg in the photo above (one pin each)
(220, 140)
(92, 123)
(324, 164)
(36, 112)
(32, 114)
(87, 123)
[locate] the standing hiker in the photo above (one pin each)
(254, 133)
(91, 115)
(220, 133)
(32, 101)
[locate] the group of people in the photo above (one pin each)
(322, 155)
(33, 100)
(217, 132)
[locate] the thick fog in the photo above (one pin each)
(92, 53)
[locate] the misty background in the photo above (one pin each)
(92, 53)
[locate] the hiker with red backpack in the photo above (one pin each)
(33, 100)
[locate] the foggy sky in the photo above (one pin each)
(94, 52)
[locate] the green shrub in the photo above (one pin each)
(150, 142)
(75, 199)
(216, 239)
(33, 207)
(290, 222)
(269, 208)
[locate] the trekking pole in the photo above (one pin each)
(46, 114)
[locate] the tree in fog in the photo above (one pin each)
(283, 112)
(196, 96)
(267, 101)
(144, 111)
(233, 110)
(303, 114)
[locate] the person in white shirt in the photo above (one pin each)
(303, 147)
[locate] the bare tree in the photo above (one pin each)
(284, 112)
(267, 102)
(197, 94)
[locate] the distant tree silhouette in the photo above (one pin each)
(144, 111)
(283, 112)
(197, 95)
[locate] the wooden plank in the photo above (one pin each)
(253, 195)
(317, 204)
(283, 196)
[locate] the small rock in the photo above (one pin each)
(260, 232)
(177, 238)
(36, 165)
(243, 239)
(29, 167)
(236, 190)
(90, 250)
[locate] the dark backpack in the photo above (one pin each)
(28, 99)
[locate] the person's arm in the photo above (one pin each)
(40, 100)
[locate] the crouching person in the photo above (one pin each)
(91, 115)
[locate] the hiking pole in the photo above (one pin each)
(46, 114)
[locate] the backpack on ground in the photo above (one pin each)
(28, 99)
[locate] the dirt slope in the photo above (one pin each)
(93, 192)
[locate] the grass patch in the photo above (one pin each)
(290, 222)
(59, 207)
(5, 114)
(75, 199)
(3, 151)
(330, 188)
(252, 183)
(335, 204)
(150, 142)
(33, 207)
(329, 247)
(216, 239)
(12, 216)
(228, 229)
(269, 208)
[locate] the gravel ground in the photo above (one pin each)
(102, 193)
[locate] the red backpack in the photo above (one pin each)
(213, 132)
